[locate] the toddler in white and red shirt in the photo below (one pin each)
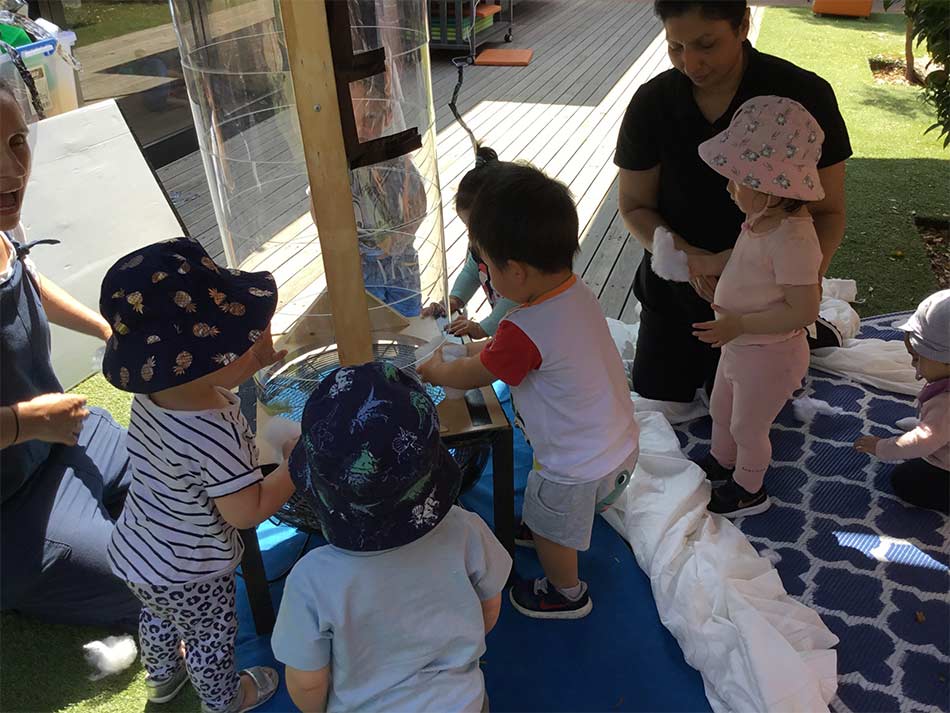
(555, 352)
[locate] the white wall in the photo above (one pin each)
(91, 189)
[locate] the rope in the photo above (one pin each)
(460, 63)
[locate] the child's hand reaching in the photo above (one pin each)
(428, 371)
(867, 444)
(289, 446)
(437, 310)
(463, 327)
(434, 310)
(259, 356)
(721, 330)
(264, 352)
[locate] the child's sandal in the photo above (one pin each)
(266, 681)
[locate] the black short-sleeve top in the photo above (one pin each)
(663, 125)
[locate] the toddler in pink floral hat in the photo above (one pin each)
(768, 290)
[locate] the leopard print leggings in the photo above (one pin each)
(202, 614)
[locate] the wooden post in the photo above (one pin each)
(311, 65)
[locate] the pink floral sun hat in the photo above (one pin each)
(772, 145)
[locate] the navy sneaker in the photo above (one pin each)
(732, 500)
(524, 537)
(715, 473)
(539, 599)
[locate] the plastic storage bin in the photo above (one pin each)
(54, 77)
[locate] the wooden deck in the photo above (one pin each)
(561, 113)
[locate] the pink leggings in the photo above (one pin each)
(753, 382)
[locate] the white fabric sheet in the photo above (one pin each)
(884, 365)
(757, 648)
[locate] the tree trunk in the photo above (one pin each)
(910, 71)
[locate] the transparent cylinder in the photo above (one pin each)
(235, 63)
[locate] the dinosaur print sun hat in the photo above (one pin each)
(371, 460)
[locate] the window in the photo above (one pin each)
(129, 52)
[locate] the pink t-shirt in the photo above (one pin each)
(931, 439)
(760, 263)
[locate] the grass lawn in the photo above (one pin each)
(896, 171)
(42, 666)
(97, 20)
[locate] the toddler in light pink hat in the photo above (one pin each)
(772, 146)
(767, 294)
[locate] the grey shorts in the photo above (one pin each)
(565, 513)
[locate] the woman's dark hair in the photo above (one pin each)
(732, 11)
(473, 181)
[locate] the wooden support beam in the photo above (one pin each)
(311, 63)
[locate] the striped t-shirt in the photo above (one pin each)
(170, 532)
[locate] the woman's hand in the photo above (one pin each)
(701, 265)
(707, 264)
(106, 331)
(54, 418)
(705, 286)
(867, 444)
(703, 268)
(437, 310)
(721, 330)
(66, 311)
(463, 327)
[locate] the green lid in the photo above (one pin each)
(14, 36)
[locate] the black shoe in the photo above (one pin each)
(826, 335)
(732, 500)
(540, 599)
(524, 537)
(715, 473)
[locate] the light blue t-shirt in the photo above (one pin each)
(402, 629)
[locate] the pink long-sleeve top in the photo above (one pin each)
(931, 439)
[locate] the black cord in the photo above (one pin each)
(303, 551)
(460, 63)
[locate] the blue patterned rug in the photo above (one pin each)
(875, 569)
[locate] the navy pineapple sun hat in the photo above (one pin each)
(176, 315)
(370, 459)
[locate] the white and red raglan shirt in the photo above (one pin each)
(568, 381)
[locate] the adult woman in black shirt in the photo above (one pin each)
(663, 182)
